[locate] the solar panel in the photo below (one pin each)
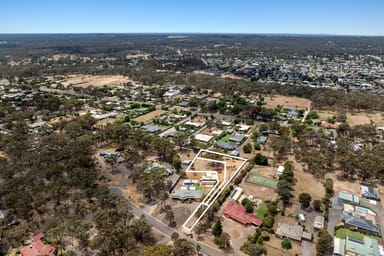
(356, 240)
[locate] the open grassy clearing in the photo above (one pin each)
(95, 80)
(149, 116)
(261, 210)
(366, 118)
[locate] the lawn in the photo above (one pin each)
(226, 138)
(343, 232)
(261, 210)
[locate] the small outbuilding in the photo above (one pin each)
(279, 170)
(318, 222)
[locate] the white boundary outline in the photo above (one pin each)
(217, 189)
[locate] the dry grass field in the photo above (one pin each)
(96, 81)
(149, 116)
(366, 118)
(287, 101)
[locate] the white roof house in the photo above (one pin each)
(203, 137)
(194, 124)
(243, 127)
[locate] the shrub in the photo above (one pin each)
(286, 244)
(247, 148)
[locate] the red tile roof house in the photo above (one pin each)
(37, 247)
(237, 212)
(327, 125)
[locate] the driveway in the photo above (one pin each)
(334, 217)
(308, 248)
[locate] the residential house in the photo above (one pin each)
(369, 193)
(184, 194)
(203, 137)
(359, 222)
(327, 125)
(294, 232)
(238, 139)
(349, 198)
(150, 128)
(37, 247)
(237, 212)
(351, 246)
(225, 145)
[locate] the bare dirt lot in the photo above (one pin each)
(149, 116)
(344, 185)
(287, 101)
(257, 191)
(238, 233)
(96, 81)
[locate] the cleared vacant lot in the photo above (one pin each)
(286, 101)
(96, 81)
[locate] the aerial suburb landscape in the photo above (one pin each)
(181, 136)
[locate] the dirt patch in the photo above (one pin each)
(149, 116)
(96, 81)
(238, 232)
(232, 77)
(305, 182)
(3, 154)
(257, 191)
(344, 185)
(131, 192)
(286, 101)
(181, 214)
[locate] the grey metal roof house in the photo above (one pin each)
(289, 231)
(183, 194)
(238, 138)
(225, 145)
(369, 193)
(150, 128)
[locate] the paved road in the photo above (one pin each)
(163, 228)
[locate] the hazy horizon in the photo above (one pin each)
(296, 17)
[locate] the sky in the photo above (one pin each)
(339, 17)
